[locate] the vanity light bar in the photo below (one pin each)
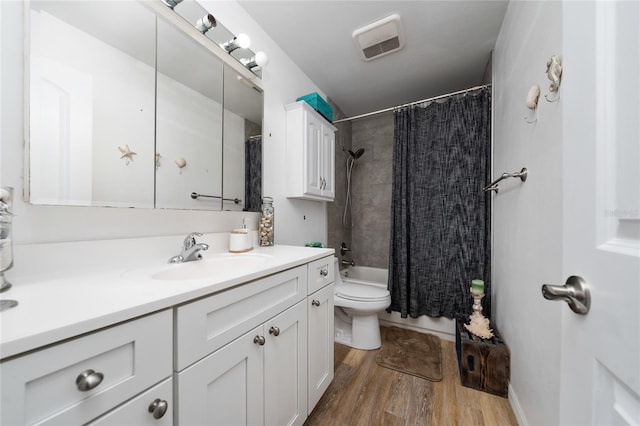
(169, 15)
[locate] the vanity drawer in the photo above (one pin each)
(208, 324)
(144, 409)
(320, 273)
(44, 387)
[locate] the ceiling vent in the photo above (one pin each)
(380, 38)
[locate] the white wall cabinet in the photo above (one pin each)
(310, 157)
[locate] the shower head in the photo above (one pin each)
(357, 154)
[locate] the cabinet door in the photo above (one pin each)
(285, 360)
(327, 176)
(151, 408)
(320, 338)
(313, 155)
(225, 388)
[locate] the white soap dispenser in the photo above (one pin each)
(240, 239)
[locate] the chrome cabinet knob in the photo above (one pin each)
(275, 331)
(574, 292)
(315, 302)
(259, 340)
(88, 380)
(158, 408)
(324, 272)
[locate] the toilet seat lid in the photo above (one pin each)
(359, 292)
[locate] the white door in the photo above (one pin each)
(600, 372)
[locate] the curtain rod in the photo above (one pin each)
(413, 103)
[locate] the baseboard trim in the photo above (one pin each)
(440, 334)
(516, 407)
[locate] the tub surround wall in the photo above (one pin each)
(337, 234)
(528, 216)
(371, 187)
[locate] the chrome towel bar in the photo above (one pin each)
(493, 186)
(195, 196)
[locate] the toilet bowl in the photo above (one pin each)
(356, 311)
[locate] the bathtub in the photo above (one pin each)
(366, 275)
(441, 327)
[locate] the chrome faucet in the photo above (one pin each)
(191, 250)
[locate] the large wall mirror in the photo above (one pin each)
(137, 114)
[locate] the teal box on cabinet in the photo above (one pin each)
(319, 104)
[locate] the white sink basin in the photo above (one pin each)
(221, 264)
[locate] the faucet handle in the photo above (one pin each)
(190, 240)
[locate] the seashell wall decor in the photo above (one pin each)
(181, 163)
(532, 102)
(554, 74)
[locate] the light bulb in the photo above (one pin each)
(260, 59)
(243, 41)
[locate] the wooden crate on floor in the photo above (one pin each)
(483, 363)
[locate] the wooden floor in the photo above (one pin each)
(363, 393)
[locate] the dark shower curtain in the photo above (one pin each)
(253, 174)
(440, 219)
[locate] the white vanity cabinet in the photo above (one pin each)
(76, 381)
(257, 350)
(310, 154)
(320, 326)
(257, 378)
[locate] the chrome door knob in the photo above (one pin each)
(275, 331)
(259, 340)
(88, 380)
(324, 272)
(158, 408)
(315, 302)
(574, 292)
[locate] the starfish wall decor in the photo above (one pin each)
(127, 154)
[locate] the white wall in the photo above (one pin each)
(528, 216)
(296, 221)
(283, 82)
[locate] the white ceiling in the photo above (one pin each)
(448, 46)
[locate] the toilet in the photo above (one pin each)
(356, 311)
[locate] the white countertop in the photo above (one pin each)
(61, 305)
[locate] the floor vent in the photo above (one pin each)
(380, 38)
